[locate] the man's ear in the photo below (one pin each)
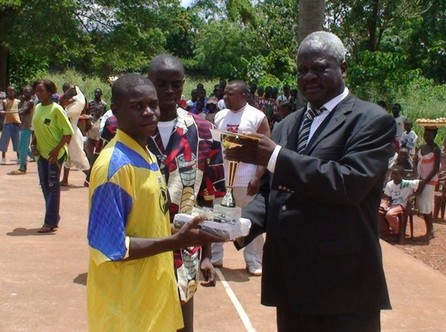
(344, 69)
(114, 109)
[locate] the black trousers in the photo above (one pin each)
(288, 320)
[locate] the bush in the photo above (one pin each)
(87, 84)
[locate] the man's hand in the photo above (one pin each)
(253, 186)
(191, 235)
(254, 152)
(34, 150)
(53, 156)
(208, 271)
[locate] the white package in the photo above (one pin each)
(229, 229)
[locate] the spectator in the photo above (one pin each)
(212, 109)
(96, 108)
(74, 101)
(403, 159)
(52, 132)
(399, 120)
(26, 111)
(394, 201)
(2, 116)
(241, 117)
(285, 95)
(409, 139)
(428, 166)
(383, 104)
(11, 124)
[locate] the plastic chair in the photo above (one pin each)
(405, 217)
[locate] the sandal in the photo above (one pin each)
(17, 172)
(46, 229)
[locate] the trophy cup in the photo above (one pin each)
(229, 141)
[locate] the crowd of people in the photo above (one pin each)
(414, 176)
(312, 183)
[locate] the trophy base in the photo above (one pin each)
(228, 199)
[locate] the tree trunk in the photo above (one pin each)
(4, 79)
(372, 25)
(311, 17)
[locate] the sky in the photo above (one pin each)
(186, 3)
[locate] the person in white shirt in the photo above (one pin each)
(240, 117)
(399, 120)
(396, 195)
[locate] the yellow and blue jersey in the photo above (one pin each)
(128, 198)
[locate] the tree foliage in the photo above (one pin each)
(391, 43)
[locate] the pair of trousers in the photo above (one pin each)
(253, 252)
(49, 177)
(11, 131)
(25, 137)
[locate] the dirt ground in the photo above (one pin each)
(432, 253)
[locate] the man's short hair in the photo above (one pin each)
(326, 41)
(123, 84)
(397, 168)
(242, 86)
(165, 59)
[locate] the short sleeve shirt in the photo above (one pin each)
(128, 198)
(50, 124)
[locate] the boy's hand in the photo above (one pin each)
(191, 235)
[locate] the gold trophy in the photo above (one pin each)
(229, 141)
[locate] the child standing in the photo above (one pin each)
(11, 123)
(409, 139)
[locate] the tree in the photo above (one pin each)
(311, 17)
(38, 33)
(8, 12)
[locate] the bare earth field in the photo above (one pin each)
(432, 253)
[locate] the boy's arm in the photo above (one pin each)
(190, 235)
(26, 108)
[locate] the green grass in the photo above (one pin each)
(419, 98)
(88, 84)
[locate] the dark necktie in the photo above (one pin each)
(304, 132)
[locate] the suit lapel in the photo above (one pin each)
(336, 118)
(291, 131)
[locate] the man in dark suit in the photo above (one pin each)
(322, 263)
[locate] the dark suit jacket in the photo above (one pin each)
(322, 252)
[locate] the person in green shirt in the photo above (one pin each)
(52, 132)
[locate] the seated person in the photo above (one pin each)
(395, 197)
(403, 159)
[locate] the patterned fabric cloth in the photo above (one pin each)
(128, 197)
(192, 165)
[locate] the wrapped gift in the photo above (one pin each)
(219, 222)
